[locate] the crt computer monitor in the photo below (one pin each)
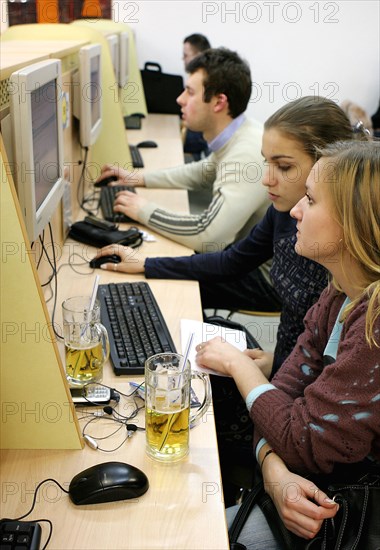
(87, 104)
(113, 44)
(37, 135)
(123, 59)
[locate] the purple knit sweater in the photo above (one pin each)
(319, 416)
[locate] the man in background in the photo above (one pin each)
(193, 45)
(194, 146)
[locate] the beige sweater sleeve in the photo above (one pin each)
(238, 199)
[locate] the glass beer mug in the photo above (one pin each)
(86, 341)
(167, 405)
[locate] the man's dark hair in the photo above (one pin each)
(198, 41)
(225, 73)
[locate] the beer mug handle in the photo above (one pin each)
(195, 418)
(103, 334)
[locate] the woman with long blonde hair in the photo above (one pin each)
(320, 414)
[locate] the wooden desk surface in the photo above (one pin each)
(183, 508)
(17, 60)
(165, 131)
(52, 48)
(16, 54)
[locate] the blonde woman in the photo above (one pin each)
(321, 412)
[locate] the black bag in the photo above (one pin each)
(233, 425)
(258, 496)
(356, 526)
(161, 90)
(99, 237)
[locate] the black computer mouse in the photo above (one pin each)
(108, 482)
(147, 144)
(105, 181)
(111, 259)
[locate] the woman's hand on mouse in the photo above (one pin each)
(131, 260)
(125, 177)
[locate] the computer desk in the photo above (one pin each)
(183, 508)
(17, 54)
(17, 61)
(165, 131)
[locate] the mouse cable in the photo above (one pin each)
(32, 508)
(55, 293)
(72, 266)
(41, 252)
(53, 264)
(45, 252)
(90, 199)
(56, 271)
(81, 177)
(84, 262)
(82, 200)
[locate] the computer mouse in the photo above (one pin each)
(105, 181)
(111, 259)
(146, 144)
(108, 482)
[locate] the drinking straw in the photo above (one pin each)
(174, 416)
(92, 302)
(94, 292)
(187, 349)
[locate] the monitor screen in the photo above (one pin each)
(95, 90)
(45, 146)
(37, 137)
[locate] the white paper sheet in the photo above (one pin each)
(203, 332)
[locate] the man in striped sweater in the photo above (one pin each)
(213, 102)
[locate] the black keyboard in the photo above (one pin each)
(19, 535)
(132, 122)
(135, 325)
(137, 160)
(107, 198)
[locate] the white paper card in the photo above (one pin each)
(203, 332)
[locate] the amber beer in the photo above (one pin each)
(168, 433)
(84, 364)
(167, 405)
(86, 341)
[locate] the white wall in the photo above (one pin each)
(293, 48)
